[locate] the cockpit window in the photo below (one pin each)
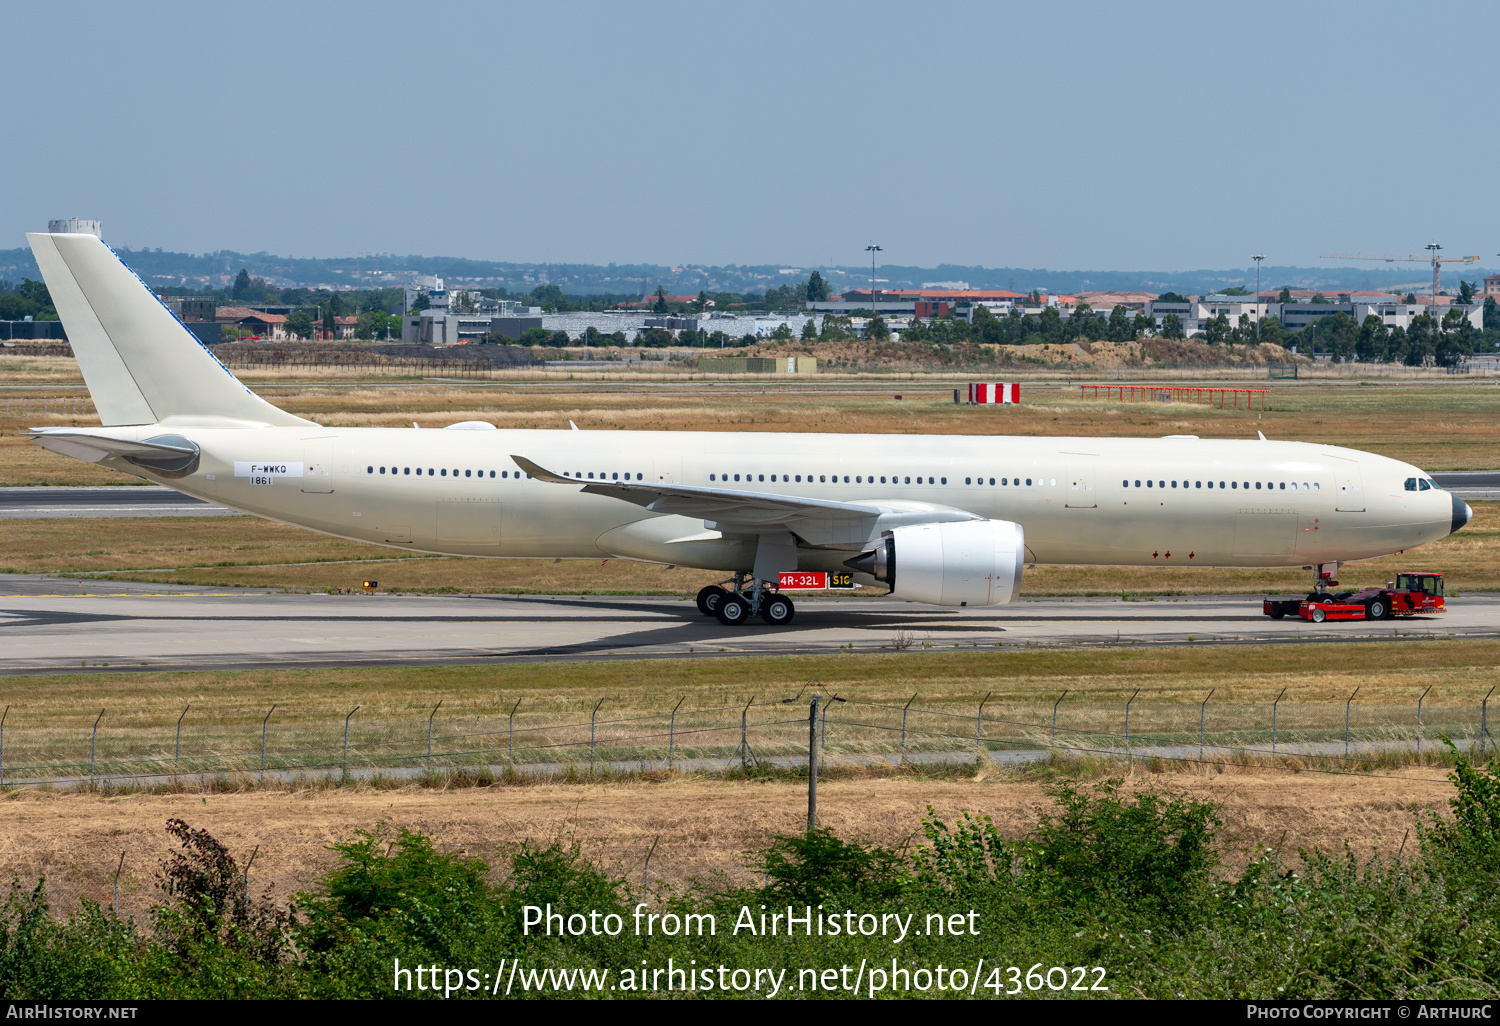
(1423, 485)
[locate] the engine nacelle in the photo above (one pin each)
(969, 563)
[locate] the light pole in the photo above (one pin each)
(872, 249)
(1434, 249)
(1258, 311)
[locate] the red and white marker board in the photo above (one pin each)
(808, 580)
(985, 392)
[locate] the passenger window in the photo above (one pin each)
(1028, 482)
(1137, 484)
(846, 479)
(908, 480)
(1283, 486)
(1234, 484)
(370, 470)
(382, 470)
(1199, 484)
(468, 473)
(943, 481)
(822, 478)
(1257, 486)
(882, 479)
(1150, 484)
(712, 478)
(1174, 484)
(505, 473)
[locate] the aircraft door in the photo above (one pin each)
(317, 466)
(1082, 481)
(1349, 497)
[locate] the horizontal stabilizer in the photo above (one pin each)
(167, 452)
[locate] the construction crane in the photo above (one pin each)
(1433, 249)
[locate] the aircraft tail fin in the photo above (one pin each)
(141, 365)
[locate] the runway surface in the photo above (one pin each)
(52, 625)
(40, 503)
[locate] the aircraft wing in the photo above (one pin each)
(816, 520)
(91, 447)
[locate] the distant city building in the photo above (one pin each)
(1492, 286)
(437, 327)
(935, 302)
(1107, 301)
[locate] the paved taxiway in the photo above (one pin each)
(51, 624)
(41, 503)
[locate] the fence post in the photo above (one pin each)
(1203, 719)
(907, 706)
(510, 748)
(2, 745)
(823, 741)
(94, 742)
(979, 718)
(1129, 755)
(672, 731)
(263, 736)
(1419, 719)
(177, 745)
(1054, 715)
(1484, 729)
(646, 877)
(346, 740)
(1273, 720)
(1346, 723)
(429, 731)
(812, 765)
(593, 716)
(744, 742)
(116, 906)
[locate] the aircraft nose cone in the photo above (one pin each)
(1462, 514)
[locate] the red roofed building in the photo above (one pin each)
(262, 324)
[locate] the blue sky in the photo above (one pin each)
(1061, 135)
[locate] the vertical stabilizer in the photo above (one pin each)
(139, 362)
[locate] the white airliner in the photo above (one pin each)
(949, 520)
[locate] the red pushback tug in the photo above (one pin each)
(1407, 595)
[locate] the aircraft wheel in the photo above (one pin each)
(732, 610)
(708, 599)
(1318, 616)
(1277, 616)
(777, 610)
(1377, 610)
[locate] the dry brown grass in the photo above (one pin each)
(705, 825)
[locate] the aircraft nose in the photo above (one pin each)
(1462, 514)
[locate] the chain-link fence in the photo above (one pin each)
(280, 745)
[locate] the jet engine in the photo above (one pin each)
(969, 563)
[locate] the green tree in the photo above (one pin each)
(1171, 327)
(1284, 297)
(421, 303)
(1050, 325)
(817, 288)
(1172, 297)
(877, 330)
(300, 324)
(1491, 313)
(1455, 343)
(1466, 290)
(1233, 290)
(329, 326)
(535, 337)
(1339, 335)
(1318, 297)
(660, 306)
(1271, 332)
(241, 289)
(701, 303)
(1396, 345)
(809, 330)
(1421, 341)
(1373, 339)
(1121, 326)
(1217, 330)
(1411, 299)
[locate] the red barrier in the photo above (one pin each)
(1175, 394)
(1003, 392)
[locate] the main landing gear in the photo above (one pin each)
(735, 605)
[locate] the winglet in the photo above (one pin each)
(572, 425)
(1262, 435)
(541, 474)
